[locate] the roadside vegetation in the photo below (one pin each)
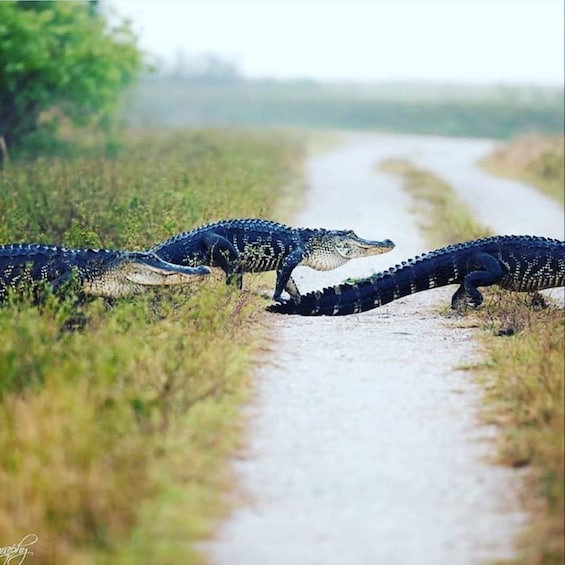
(117, 422)
(534, 159)
(522, 372)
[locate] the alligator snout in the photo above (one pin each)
(385, 245)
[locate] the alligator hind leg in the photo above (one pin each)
(487, 271)
(464, 296)
(221, 253)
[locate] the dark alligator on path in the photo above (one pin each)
(519, 263)
(252, 245)
(98, 272)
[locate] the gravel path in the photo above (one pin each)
(365, 445)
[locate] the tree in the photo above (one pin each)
(63, 56)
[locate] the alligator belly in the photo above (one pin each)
(260, 259)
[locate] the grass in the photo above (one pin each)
(523, 378)
(522, 374)
(115, 435)
(533, 159)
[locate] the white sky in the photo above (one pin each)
(475, 41)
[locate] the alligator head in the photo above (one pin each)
(328, 249)
(132, 272)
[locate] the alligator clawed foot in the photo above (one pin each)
(291, 299)
(464, 305)
(537, 301)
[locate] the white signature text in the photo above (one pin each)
(15, 554)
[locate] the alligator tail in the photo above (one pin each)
(416, 275)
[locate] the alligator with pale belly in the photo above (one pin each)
(254, 245)
(97, 272)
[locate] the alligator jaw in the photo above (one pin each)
(135, 272)
(329, 249)
(150, 270)
(155, 277)
(355, 248)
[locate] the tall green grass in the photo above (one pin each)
(116, 423)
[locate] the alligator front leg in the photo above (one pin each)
(60, 283)
(487, 272)
(292, 289)
(284, 272)
(65, 284)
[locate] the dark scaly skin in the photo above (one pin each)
(100, 272)
(518, 263)
(254, 245)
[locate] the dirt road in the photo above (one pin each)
(365, 442)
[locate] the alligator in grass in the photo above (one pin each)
(97, 272)
(240, 246)
(519, 263)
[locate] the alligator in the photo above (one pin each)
(96, 272)
(254, 245)
(521, 263)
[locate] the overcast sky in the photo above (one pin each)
(435, 40)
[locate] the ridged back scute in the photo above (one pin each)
(243, 224)
(47, 262)
(38, 249)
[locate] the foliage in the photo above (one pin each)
(60, 59)
(116, 422)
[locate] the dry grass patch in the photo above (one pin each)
(100, 435)
(523, 378)
(442, 216)
(534, 159)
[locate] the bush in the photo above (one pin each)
(60, 61)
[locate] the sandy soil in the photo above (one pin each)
(365, 442)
